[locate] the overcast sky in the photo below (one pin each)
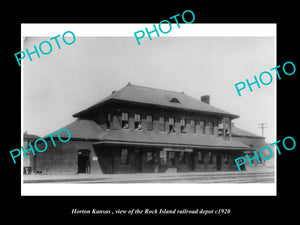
(78, 75)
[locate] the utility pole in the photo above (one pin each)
(262, 126)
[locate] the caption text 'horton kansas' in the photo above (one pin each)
(140, 129)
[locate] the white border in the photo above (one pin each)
(128, 30)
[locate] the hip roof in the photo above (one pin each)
(158, 97)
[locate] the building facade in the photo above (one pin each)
(256, 142)
(146, 130)
(29, 162)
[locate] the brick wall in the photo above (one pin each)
(116, 108)
(63, 159)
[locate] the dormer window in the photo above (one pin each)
(175, 100)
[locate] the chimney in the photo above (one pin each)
(113, 92)
(205, 99)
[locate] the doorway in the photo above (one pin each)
(219, 162)
(171, 159)
(84, 161)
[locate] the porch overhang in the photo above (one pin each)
(170, 147)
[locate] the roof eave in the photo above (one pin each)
(81, 113)
(156, 144)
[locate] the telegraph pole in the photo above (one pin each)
(262, 126)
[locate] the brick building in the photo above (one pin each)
(140, 129)
(29, 162)
(256, 142)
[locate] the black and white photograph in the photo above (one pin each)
(107, 110)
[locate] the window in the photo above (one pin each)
(171, 158)
(226, 129)
(162, 123)
(182, 157)
(137, 122)
(210, 158)
(182, 126)
(193, 126)
(202, 127)
(220, 129)
(200, 157)
(226, 158)
(174, 100)
(108, 120)
(211, 127)
(125, 120)
(149, 122)
(163, 157)
(171, 125)
(150, 158)
(124, 156)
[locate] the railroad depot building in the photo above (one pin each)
(145, 130)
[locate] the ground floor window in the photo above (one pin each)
(182, 157)
(149, 157)
(226, 158)
(210, 158)
(171, 158)
(163, 157)
(200, 157)
(124, 156)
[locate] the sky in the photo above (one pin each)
(72, 78)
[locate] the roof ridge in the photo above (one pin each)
(154, 88)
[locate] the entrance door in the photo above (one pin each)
(84, 161)
(171, 159)
(219, 162)
(171, 162)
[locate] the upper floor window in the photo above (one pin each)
(137, 122)
(149, 122)
(227, 128)
(125, 120)
(162, 123)
(193, 126)
(182, 126)
(211, 127)
(171, 125)
(202, 127)
(108, 120)
(220, 129)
